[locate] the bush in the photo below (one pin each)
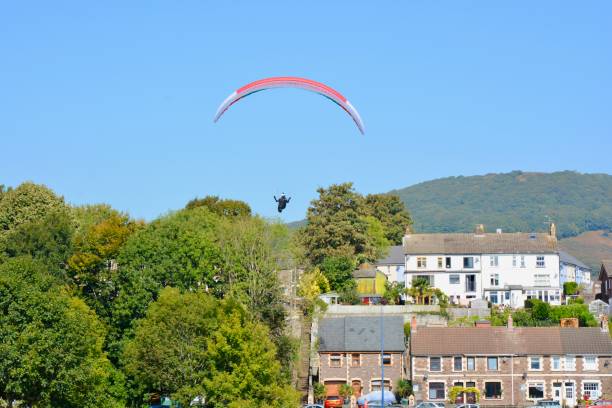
(570, 288)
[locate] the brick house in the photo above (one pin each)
(349, 353)
(511, 365)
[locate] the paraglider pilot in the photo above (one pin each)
(282, 202)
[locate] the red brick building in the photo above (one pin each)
(350, 353)
(511, 365)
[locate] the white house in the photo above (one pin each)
(504, 268)
(393, 264)
(572, 269)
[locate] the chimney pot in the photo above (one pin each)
(413, 324)
(553, 230)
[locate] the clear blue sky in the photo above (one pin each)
(113, 101)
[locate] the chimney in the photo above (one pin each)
(413, 325)
(603, 323)
(482, 323)
(510, 322)
(480, 229)
(552, 231)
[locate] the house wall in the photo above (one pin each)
(368, 370)
(514, 374)
(394, 273)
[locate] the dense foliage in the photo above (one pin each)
(538, 313)
(515, 201)
(86, 293)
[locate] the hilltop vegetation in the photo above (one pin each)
(516, 201)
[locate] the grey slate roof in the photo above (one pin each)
(570, 259)
(504, 341)
(394, 257)
(488, 243)
(361, 333)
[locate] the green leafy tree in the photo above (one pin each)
(222, 207)
(319, 391)
(48, 239)
(393, 292)
(540, 310)
(51, 343)
(345, 391)
(570, 288)
(338, 270)
(192, 344)
(403, 388)
(392, 213)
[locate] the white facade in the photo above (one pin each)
(500, 278)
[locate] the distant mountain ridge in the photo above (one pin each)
(515, 201)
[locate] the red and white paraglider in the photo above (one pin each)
(292, 82)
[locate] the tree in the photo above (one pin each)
(51, 343)
(420, 291)
(339, 225)
(28, 202)
(319, 391)
(222, 207)
(345, 391)
(392, 213)
(48, 239)
(403, 388)
(338, 270)
(192, 344)
(570, 288)
(393, 292)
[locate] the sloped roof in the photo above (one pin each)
(361, 333)
(504, 341)
(487, 243)
(394, 257)
(570, 259)
(365, 273)
(606, 265)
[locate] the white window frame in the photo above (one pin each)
(539, 359)
(540, 261)
(382, 383)
(552, 364)
(467, 364)
(535, 382)
(445, 390)
(454, 370)
(421, 262)
(497, 365)
(599, 390)
(440, 262)
(494, 261)
(523, 265)
(484, 389)
(594, 367)
(441, 364)
(565, 365)
(494, 279)
(330, 360)
(390, 358)
(454, 275)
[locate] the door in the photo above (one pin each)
(570, 394)
(470, 283)
(460, 397)
(470, 396)
(557, 391)
(332, 388)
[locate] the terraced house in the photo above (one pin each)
(350, 353)
(504, 268)
(511, 365)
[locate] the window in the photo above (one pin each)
(535, 363)
(440, 262)
(421, 262)
(375, 385)
(495, 279)
(590, 390)
(555, 363)
(458, 364)
(540, 262)
(435, 364)
(387, 359)
(590, 363)
(522, 261)
(355, 360)
(448, 262)
(494, 260)
(335, 360)
(471, 363)
(542, 280)
(436, 391)
(514, 261)
(507, 295)
(493, 297)
(453, 279)
(468, 262)
(427, 278)
(493, 390)
(535, 391)
(570, 363)
(492, 364)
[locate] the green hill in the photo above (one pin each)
(516, 201)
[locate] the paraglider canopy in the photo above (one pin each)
(292, 82)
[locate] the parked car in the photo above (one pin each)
(313, 406)
(547, 404)
(430, 404)
(468, 406)
(600, 404)
(333, 401)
